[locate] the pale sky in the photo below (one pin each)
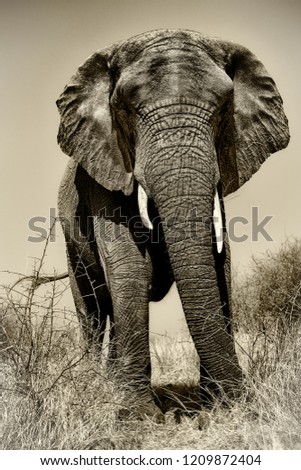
(43, 43)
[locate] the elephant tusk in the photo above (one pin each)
(142, 203)
(218, 223)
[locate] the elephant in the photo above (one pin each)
(160, 128)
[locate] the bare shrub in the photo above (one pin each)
(267, 304)
(57, 394)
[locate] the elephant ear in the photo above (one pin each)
(254, 124)
(86, 132)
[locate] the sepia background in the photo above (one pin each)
(43, 43)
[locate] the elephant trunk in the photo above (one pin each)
(182, 175)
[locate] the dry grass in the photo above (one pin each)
(268, 299)
(58, 395)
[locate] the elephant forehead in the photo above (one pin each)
(159, 73)
(167, 40)
(160, 38)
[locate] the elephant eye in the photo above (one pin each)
(230, 69)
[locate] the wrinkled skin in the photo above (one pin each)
(183, 116)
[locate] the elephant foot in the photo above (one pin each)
(225, 392)
(141, 412)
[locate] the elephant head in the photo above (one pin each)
(188, 117)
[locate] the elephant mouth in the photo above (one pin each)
(216, 216)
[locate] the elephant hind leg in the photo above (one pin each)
(91, 296)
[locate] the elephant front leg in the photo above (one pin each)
(129, 280)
